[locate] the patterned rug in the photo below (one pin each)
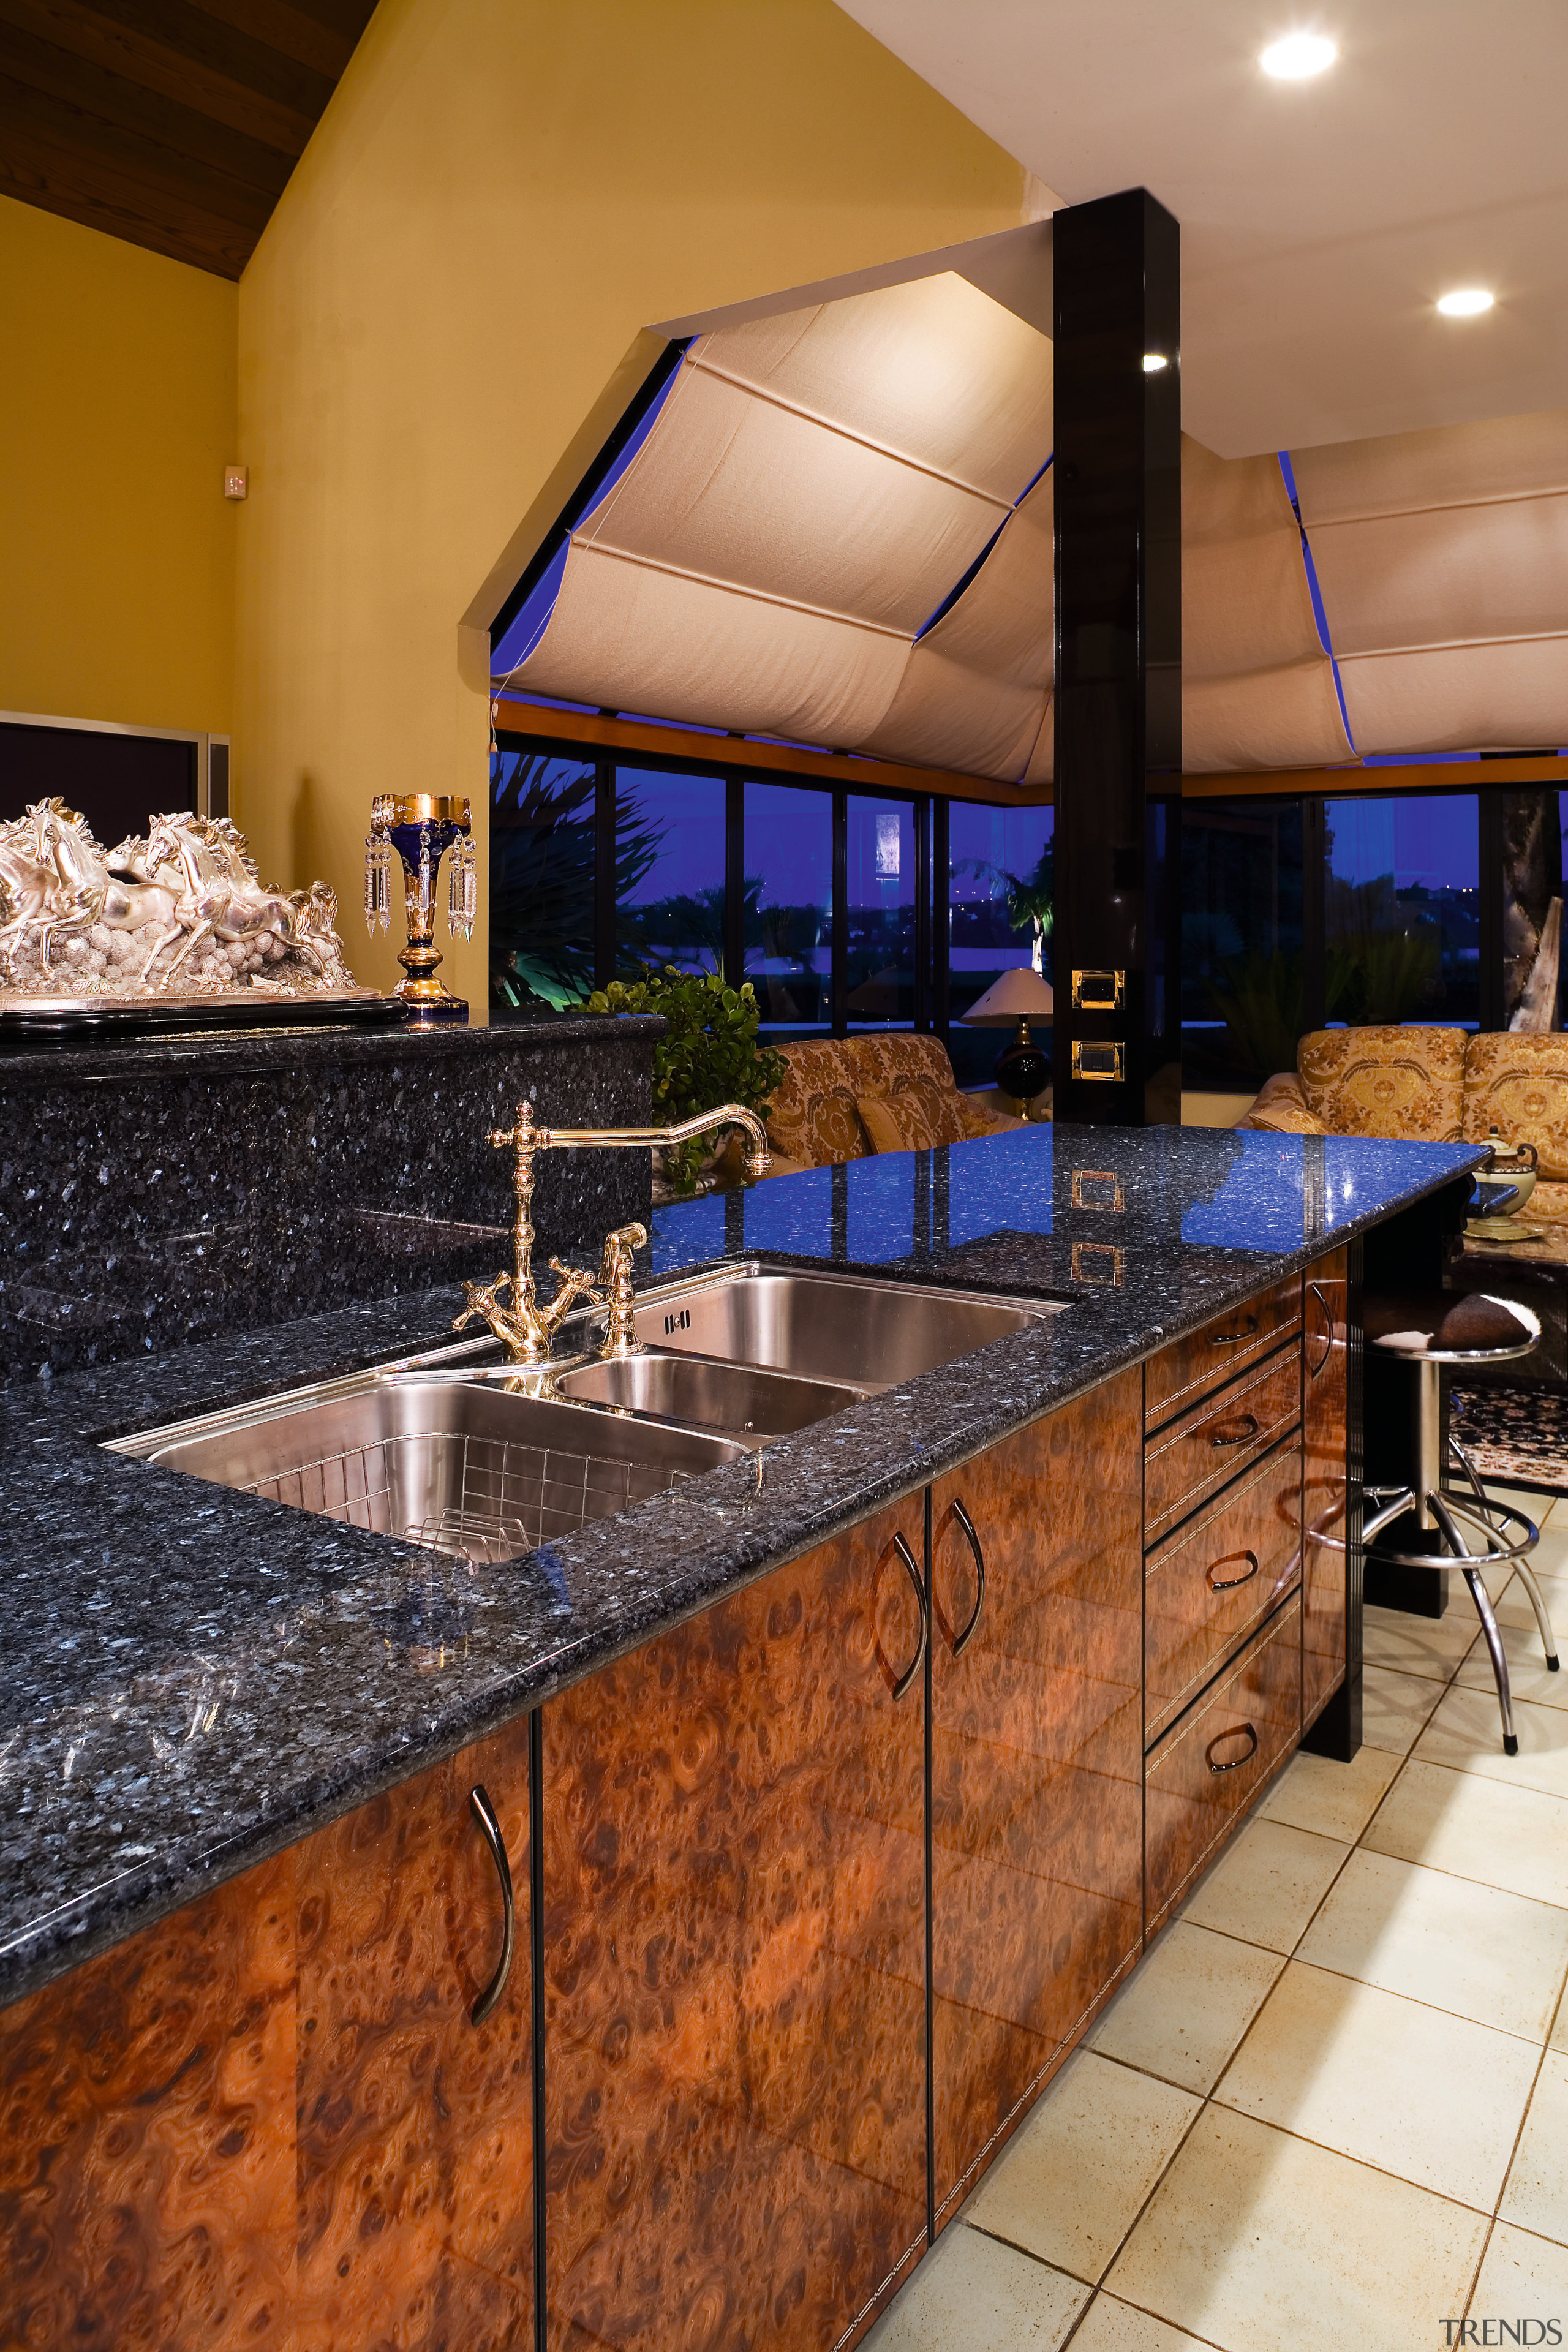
(1516, 1434)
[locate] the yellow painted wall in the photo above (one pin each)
(500, 194)
(117, 418)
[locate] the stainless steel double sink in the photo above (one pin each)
(464, 1453)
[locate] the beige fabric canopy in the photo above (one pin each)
(1258, 688)
(817, 481)
(1442, 557)
(814, 486)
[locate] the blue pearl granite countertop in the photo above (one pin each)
(196, 1678)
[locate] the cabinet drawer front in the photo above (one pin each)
(1212, 1582)
(1209, 1766)
(1182, 1373)
(1219, 1438)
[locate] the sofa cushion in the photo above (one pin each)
(1403, 1083)
(1516, 1081)
(1280, 1108)
(877, 1062)
(812, 1118)
(917, 1117)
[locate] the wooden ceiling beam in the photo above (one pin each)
(62, 177)
(184, 133)
(311, 39)
(186, 31)
(583, 731)
(1416, 776)
(82, 32)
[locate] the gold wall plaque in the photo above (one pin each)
(1099, 1262)
(1099, 991)
(1096, 1188)
(1099, 1062)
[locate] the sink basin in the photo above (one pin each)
(734, 1397)
(833, 1328)
(477, 1471)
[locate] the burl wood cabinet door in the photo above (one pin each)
(1036, 1760)
(415, 2173)
(147, 2139)
(734, 1965)
(1325, 1405)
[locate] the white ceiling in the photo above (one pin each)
(1319, 220)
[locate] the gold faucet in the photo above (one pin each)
(525, 1328)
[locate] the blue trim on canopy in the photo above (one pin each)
(1287, 471)
(527, 625)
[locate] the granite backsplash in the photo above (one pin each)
(154, 1193)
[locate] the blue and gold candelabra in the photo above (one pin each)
(422, 828)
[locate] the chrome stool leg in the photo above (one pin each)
(1543, 1622)
(1465, 1561)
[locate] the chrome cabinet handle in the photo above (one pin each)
(1230, 1583)
(1246, 1329)
(1246, 1425)
(967, 1524)
(484, 1813)
(1237, 1731)
(1325, 1337)
(898, 1683)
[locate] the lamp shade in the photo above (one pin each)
(1017, 995)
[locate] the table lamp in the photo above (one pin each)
(1014, 1000)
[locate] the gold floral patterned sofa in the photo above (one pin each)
(845, 1097)
(1431, 1085)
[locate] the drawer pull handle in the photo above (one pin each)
(1230, 1583)
(967, 1524)
(898, 1683)
(1325, 1337)
(1246, 1329)
(1239, 1731)
(1246, 1427)
(484, 1813)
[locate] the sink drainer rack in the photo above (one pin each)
(497, 1500)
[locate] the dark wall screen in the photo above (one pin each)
(116, 782)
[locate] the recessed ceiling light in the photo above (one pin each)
(1153, 361)
(1297, 57)
(1465, 303)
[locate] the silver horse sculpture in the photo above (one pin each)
(189, 884)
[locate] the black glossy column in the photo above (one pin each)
(1118, 633)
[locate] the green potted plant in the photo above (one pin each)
(709, 1055)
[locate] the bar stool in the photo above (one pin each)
(1430, 1329)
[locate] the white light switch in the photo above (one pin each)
(235, 481)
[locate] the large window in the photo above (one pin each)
(882, 896)
(542, 910)
(999, 915)
(1245, 979)
(787, 900)
(1402, 908)
(669, 897)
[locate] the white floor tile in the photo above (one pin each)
(1113, 2327)
(1335, 1800)
(1188, 2005)
(1429, 1646)
(1513, 1607)
(1487, 1955)
(1416, 2090)
(1267, 1884)
(1537, 2192)
(1260, 2242)
(1521, 2277)
(1528, 1676)
(1395, 1709)
(1068, 2186)
(1504, 1836)
(971, 2294)
(1465, 1733)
